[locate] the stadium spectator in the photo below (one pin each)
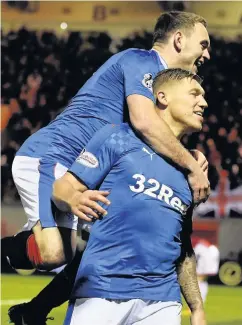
(208, 258)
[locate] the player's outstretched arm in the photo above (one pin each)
(187, 277)
(159, 136)
(71, 195)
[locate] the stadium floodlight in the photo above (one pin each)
(63, 25)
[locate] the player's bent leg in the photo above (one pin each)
(34, 178)
(52, 247)
(158, 312)
(41, 248)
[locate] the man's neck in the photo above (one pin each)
(166, 54)
(176, 128)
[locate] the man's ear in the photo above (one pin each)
(161, 99)
(178, 41)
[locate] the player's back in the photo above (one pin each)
(103, 95)
(101, 100)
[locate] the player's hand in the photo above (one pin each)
(198, 317)
(84, 204)
(201, 159)
(200, 185)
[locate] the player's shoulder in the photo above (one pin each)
(118, 137)
(116, 132)
(135, 54)
(135, 51)
(112, 133)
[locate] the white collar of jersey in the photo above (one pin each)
(163, 62)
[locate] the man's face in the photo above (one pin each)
(195, 48)
(186, 104)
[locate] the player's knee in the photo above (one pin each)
(52, 258)
(43, 256)
(55, 248)
(55, 254)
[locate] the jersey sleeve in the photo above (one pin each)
(97, 158)
(138, 77)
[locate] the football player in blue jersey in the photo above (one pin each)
(140, 253)
(48, 239)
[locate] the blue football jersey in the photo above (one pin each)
(100, 101)
(132, 252)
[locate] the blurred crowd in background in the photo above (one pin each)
(41, 72)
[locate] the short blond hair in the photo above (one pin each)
(171, 21)
(175, 74)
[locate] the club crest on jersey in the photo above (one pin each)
(87, 159)
(148, 81)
